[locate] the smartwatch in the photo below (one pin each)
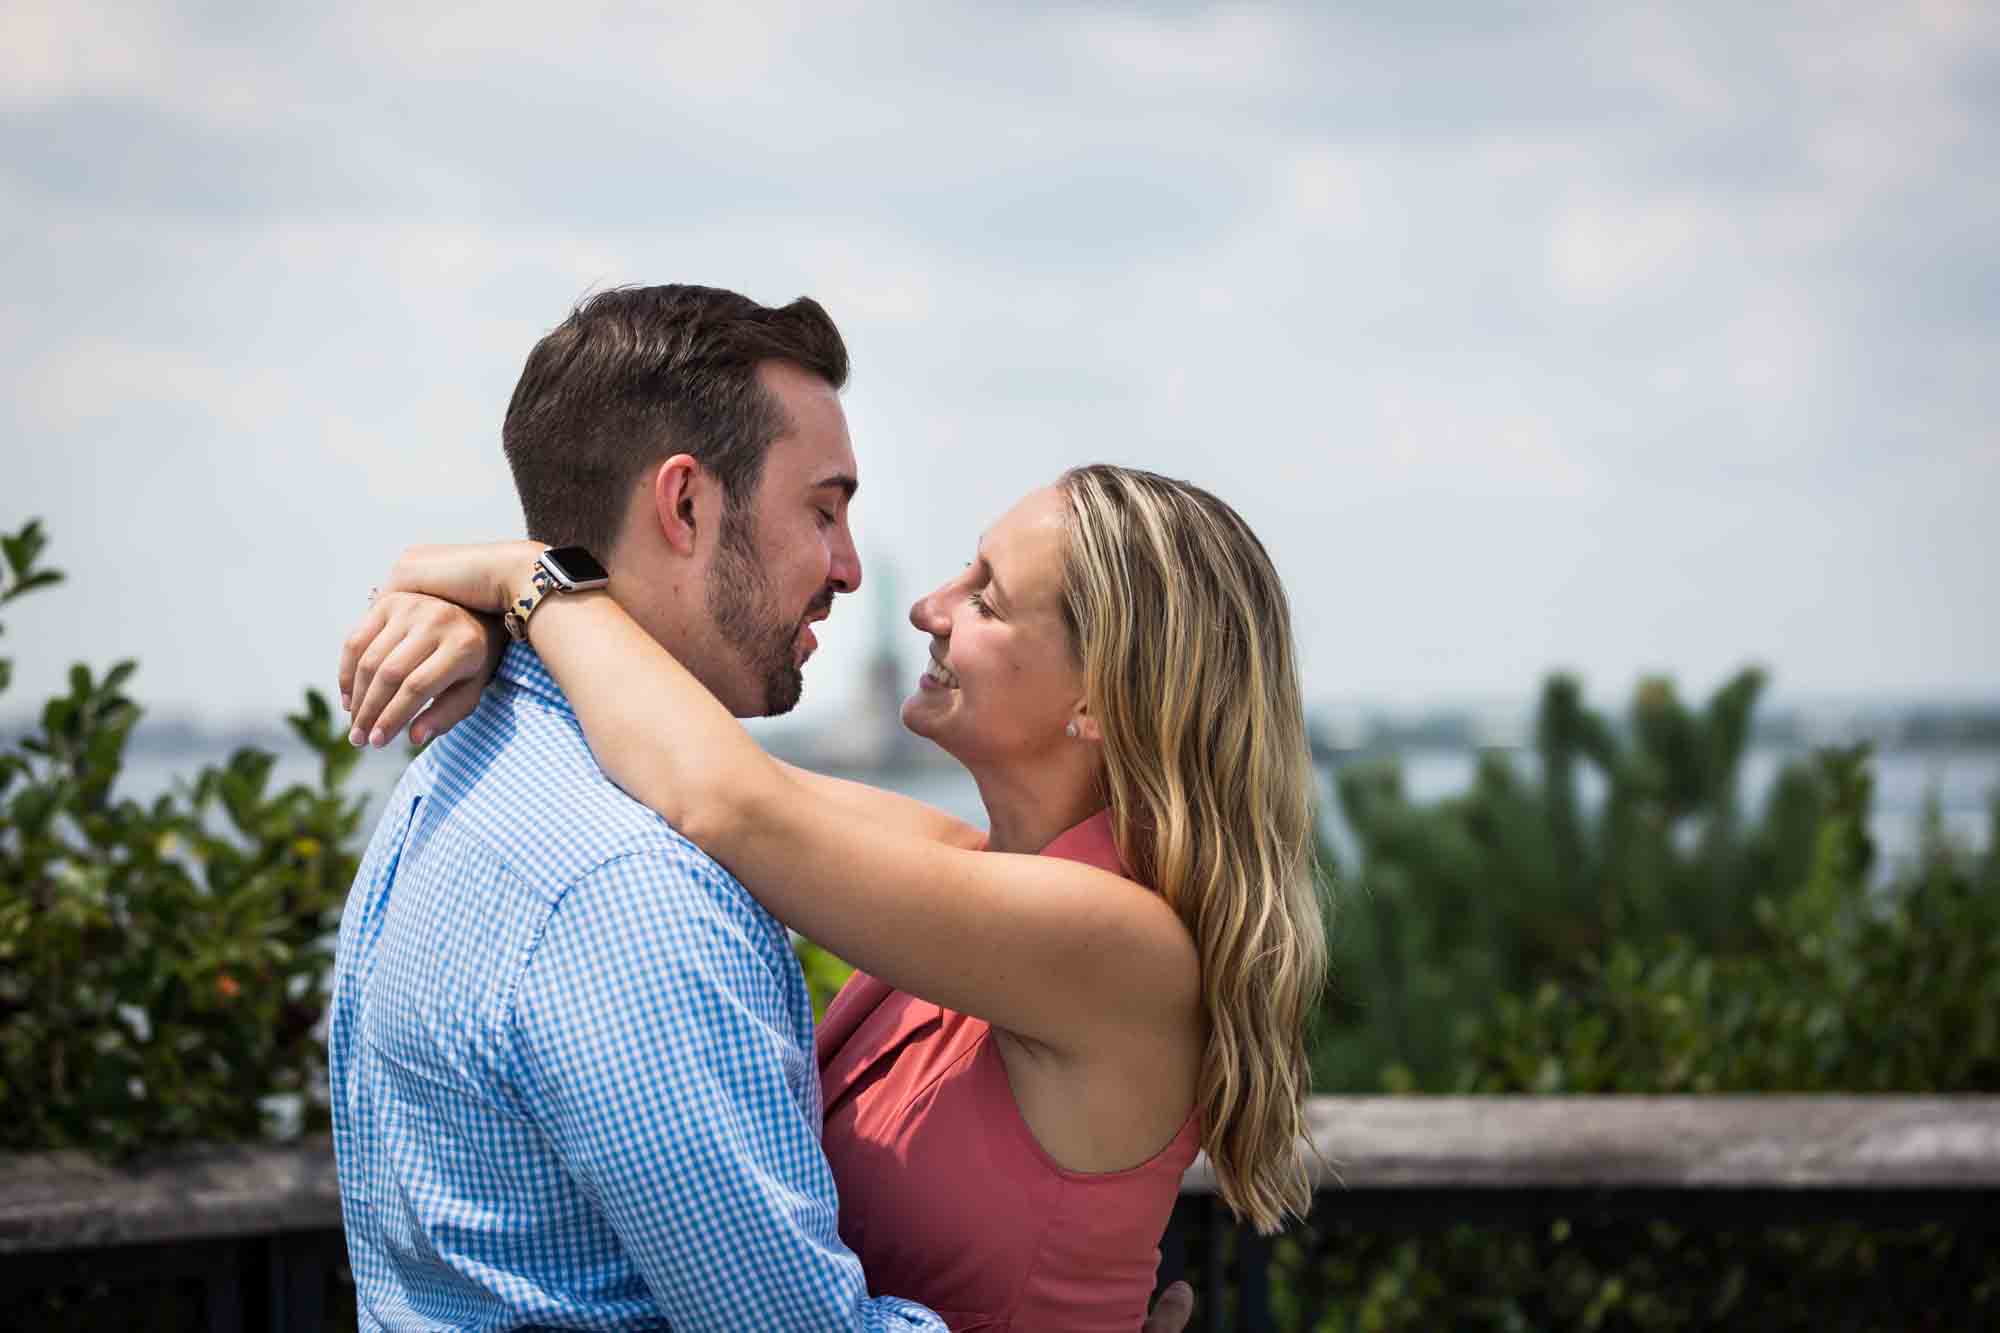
(558, 569)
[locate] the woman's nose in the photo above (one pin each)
(927, 614)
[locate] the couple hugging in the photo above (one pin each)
(574, 1074)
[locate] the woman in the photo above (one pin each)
(1047, 1022)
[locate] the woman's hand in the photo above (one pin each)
(483, 578)
(410, 650)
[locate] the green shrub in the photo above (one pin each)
(1523, 948)
(1849, 989)
(163, 967)
(1517, 881)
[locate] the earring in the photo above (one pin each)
(1070, 730)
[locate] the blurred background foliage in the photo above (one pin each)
(1608, 918)
(1610, 921)
(163, 967)
(825, 974)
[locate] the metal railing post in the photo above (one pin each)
(1253, 1281)
(222, 1289)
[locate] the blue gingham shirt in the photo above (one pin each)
(571, 1060)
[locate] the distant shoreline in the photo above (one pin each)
(1887, 724)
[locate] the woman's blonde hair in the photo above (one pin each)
(1185, 638)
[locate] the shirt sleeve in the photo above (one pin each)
(656, 1048)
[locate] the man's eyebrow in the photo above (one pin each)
(848, 485)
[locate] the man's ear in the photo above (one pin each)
(678, 484)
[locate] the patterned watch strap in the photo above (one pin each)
(515, 617)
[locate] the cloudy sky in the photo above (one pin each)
(1611, 337)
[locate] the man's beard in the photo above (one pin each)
(746, 611)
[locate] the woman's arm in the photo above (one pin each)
(888, 809)
(1071, 956)
(436, 652)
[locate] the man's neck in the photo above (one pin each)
(677, 618)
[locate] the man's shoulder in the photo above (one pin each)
(519, 777)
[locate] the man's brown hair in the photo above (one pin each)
(638, 374)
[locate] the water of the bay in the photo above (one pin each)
(1963, 782)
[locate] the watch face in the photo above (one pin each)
(576, 567)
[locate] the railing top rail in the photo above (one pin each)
(1693, 1143)
(68, 1200)
(51, 1201)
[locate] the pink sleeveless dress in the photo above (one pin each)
(945, 1194)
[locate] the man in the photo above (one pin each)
(571, 1058)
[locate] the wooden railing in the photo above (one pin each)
(1717, 1162)
(248, 1237)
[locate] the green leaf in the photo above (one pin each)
(22, 548)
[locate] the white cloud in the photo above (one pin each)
(1337, 190)
(1673, 54)
(704, 51)
(55, 50)
(1601, 250)
(1225, 48)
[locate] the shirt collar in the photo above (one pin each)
(521, 667)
